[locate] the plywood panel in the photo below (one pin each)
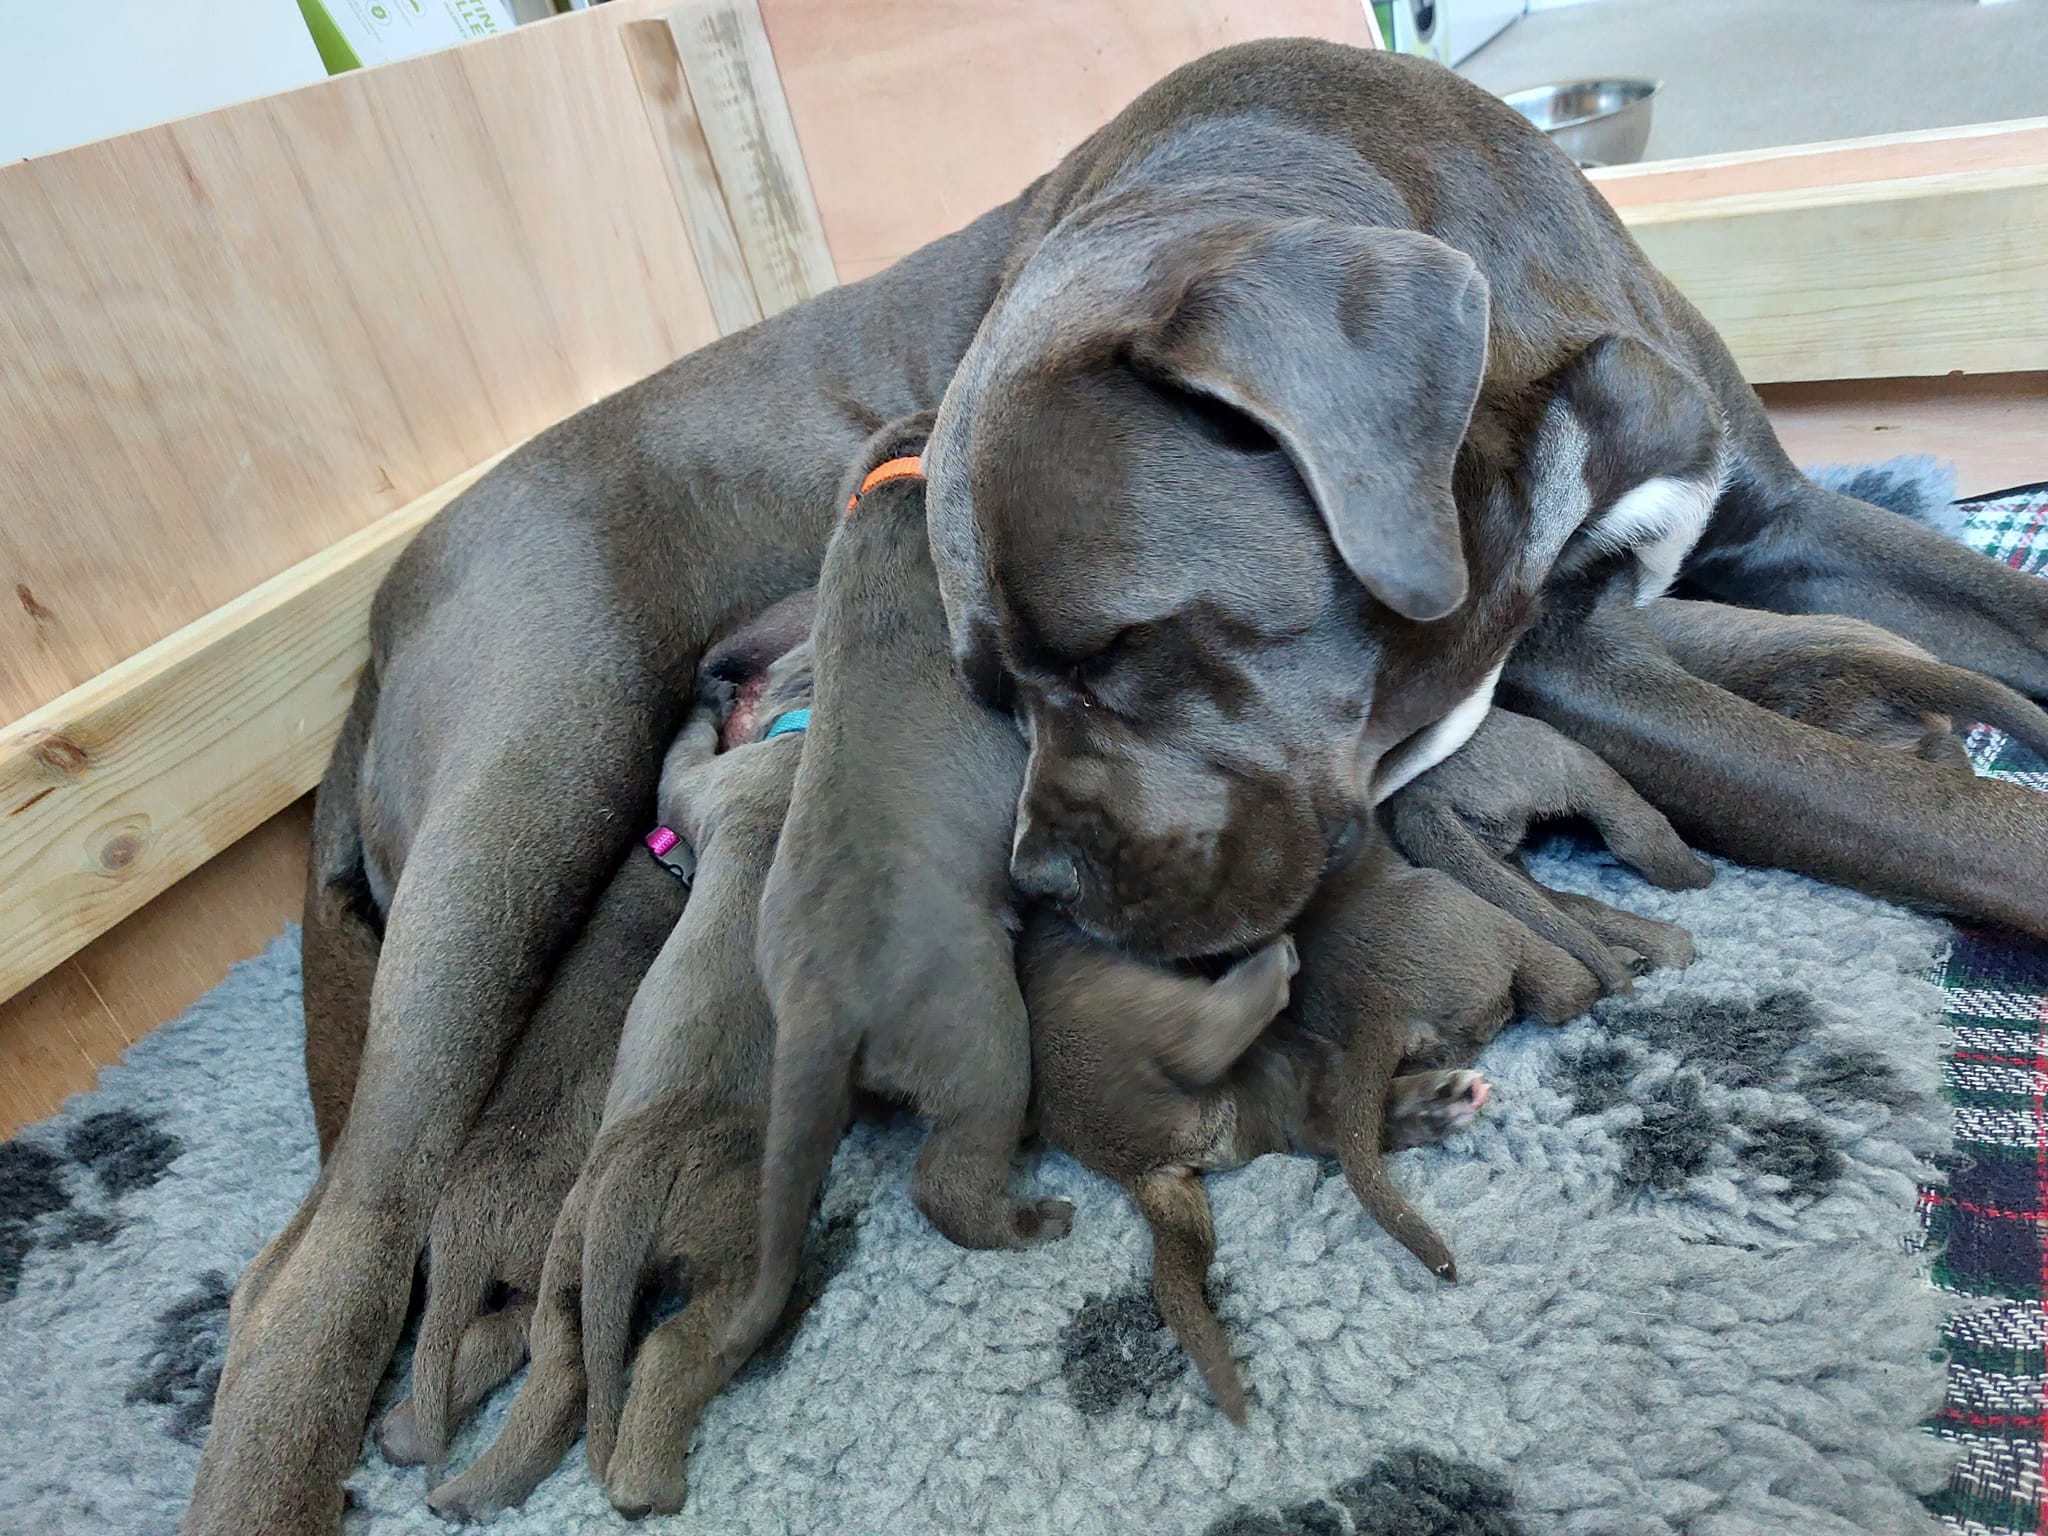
(1993, 427)
(227, 342)
(917, 116)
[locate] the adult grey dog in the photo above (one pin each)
(1357, 378)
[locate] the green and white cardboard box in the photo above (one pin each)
(352, 33)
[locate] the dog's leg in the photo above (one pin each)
(1549, 985)
(630, 1174)
(809, 1102)
(1353, 1106)
(548, 1409)
(492, 1348)
(1663, 946)
(461, 1265)
(1176, 1208)
(470, 937)
(1779, 541)
(1432, 834)
(1218, 1020)
(1757, 787)
(1633, 829)
(976, 1105)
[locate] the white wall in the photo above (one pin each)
(76, 70)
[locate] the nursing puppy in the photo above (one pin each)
(887, 939)
(1150, 1076)
(1844, 675)
(669, 1187)
(1469, 814)
(490, 1231)
(670, 1182)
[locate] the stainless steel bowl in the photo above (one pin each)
(1596, 122)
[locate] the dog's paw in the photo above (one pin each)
(1043, 1221)
(399, 1439)
(1426, 1107)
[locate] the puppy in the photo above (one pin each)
(1149, 1076)
(490, 1228)
(1469, 814)
(670, 1185)
(1843, 675)
(887, 938)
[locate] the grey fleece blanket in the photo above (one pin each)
(1690, 1301)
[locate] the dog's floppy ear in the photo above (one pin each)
(1361, 351)
(1628, 456)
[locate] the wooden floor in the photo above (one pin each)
(57, 1034)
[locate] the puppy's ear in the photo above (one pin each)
(1628, 458)
(1361, 351)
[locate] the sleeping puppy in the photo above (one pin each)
(887, 939)
(1469, 814)
(1149, 1075)
(670, 1186)
(490, 1229)
(1843, 675)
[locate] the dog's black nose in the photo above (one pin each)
(1046, 874)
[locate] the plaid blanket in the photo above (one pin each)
(1989, 1222)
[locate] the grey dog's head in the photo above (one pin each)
(1122, 476)
(1192, 501)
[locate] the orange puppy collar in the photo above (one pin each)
(911, 468)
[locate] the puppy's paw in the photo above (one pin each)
(1263, 979)
(1426, 1107)
(637, 1492)
(1043, 1221)
(399, 1438)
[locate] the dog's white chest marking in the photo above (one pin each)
(1438, 742)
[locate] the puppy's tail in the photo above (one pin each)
(1964, 696)
(808, 1109)
(1176, 1207)
(459, 1275)
(1359, 1113)
(625, 1210)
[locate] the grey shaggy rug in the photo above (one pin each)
(1691, 1301)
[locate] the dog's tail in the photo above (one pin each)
(626, 1206)
(460, 1269)
(1176, 1207)
(1964, 696)
(808, 1109)
(343, 933)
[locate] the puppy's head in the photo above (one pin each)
(1171, 487)
(1196, 481)
(735, 670)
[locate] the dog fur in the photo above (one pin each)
(1469, 815)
